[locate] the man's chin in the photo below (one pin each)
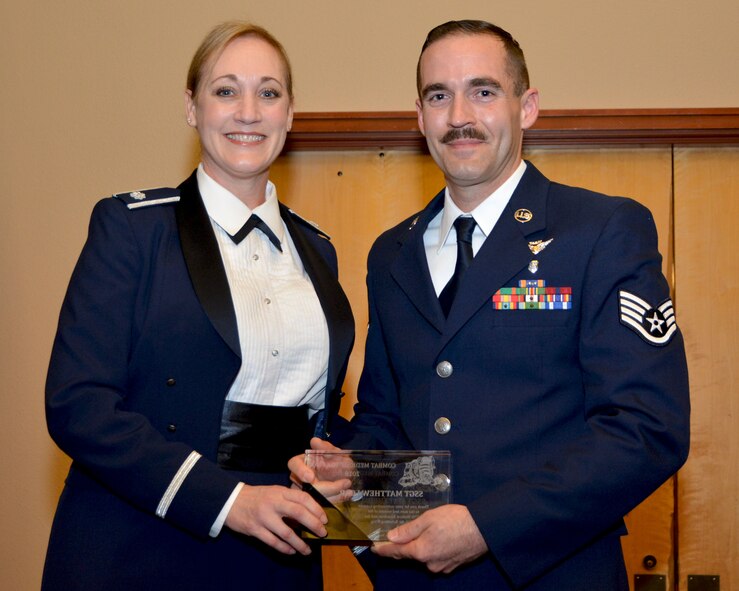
(464, 173)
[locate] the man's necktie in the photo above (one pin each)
(256, 222)
(464, 226)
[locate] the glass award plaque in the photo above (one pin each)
(387, 489)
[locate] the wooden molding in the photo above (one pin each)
(563, 128)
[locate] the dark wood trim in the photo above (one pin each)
(562, 128)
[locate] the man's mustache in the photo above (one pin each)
(465, 133)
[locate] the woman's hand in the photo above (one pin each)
(260, 512)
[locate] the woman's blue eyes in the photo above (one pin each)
(228, 92)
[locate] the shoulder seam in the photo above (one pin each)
(309, 224)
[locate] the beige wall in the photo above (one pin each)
(91, 103)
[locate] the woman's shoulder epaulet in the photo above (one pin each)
(309, 224)
(148, 197)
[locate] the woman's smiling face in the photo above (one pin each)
(242, 112)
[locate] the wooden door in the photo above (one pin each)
(707, 273)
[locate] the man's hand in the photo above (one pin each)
(442, 538)
(260, 511)
(327, 476)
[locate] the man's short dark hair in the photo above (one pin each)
(516, 61)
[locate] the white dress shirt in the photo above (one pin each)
(283, 332)
(282, 329)
(441, 243)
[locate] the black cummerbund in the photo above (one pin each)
(256, 438)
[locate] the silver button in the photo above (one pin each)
(442, 425)
(275, 352)
(255, 257)
(444, 369)
(267, 301)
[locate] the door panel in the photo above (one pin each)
(707, 272)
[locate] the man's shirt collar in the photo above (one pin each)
(487, 213)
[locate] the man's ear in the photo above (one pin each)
(419, 113)
(529, 108)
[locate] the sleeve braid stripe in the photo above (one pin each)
(176, 483)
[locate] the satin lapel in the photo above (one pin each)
(332, 297)
(504, 253)
(411, 270)
(204, 263)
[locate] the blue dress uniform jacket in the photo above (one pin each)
(145, 353)
(559, 421)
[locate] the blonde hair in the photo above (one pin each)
(216, 41)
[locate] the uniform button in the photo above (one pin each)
(171, 382)
(444, 369)
(267, 301)
(275, 352)
(171, 428)
(442, 425)
(255, 257)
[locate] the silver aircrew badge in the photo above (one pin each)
(655, 324)
(533, 266)
(523, 215)
(138, 195)
(536, 246)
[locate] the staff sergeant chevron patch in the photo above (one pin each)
(656, 325)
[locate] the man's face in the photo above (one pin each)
(471, 117)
